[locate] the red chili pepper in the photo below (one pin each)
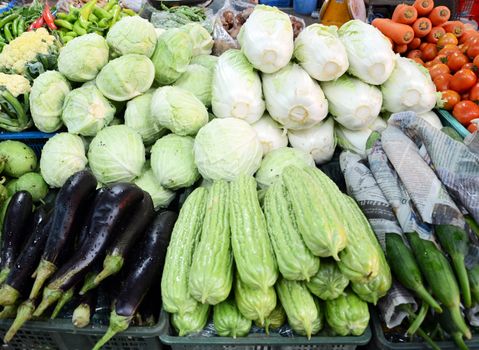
(48, 17)
(39, 22)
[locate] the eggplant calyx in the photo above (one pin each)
(49, 297)
(65, 298)
(118, 324)
(44, 270)
(24, 313)
(4, 274)
(8, 311)
(111, 265)
(81, 316)
(8, 295)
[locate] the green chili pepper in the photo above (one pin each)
(98, 32)
(73, 34)
(77, 28)
(83, 23)
(66, 38)
(87, 9)
(109, 5)
(63, 24)
(8, 32)
(116, 10)
(104, 23)
(20, 26)
(14, 27)
(8, 19)
(70, 17)
(129, 12)
(101, 13)
(62, 15)
(93, 18)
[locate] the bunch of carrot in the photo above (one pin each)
(412, 25)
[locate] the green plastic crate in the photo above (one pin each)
(60, 334)
(381, 343)
(448, 119)
(259, 342)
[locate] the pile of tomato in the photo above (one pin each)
(453, 63)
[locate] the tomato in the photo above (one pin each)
(414, 53)
(465, 111)
(465, 96)
(450, 98)
(472, 127)
(438, 69)
(447, 39)
(442, 82)
(441, 58)
(463, 48)
(418, 60)
(429, 52)
(422, 46)
(449, 49)
(463, 80)
(430, 64)
(474, 93)
(467, 34)
(476, 61)
(456, 60)
(473, 50)
(470, 66)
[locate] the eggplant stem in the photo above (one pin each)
(88, 284)
(8, 295)
(24, 314)
(44, 270)
(461, 273)
(459, 321)
(111, 265)
(81, 315)
(418, 319)
(459, 341)
(427, 298)
(49, 297)
(427, 339)
(9, 311)
(65, 298)
(4, 274)
(117, 324)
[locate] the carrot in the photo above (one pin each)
(422, 26)
(435, 34)
(454, 27)
(414, 53)
(400, 48)
(439, 15)
(399, 33)
(414, 44)
(404, 14)
(423, 7)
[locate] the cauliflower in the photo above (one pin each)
(27, 48)
(16, 84)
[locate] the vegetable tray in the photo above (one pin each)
(260, 342)
(448, 120)
(60, 334)
(381, 343)
(35, 139)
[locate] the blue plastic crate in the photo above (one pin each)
(277, 3)
(448, 119)
(34, 139)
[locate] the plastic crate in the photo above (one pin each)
(381, 343)
(259, 342)
(60, 334)
(448, 120)
(277, 3)
(35, 139)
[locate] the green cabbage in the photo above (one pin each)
(202, 40)
(132, 34)
(62, 156)
(116, 154)
(197, 80)
(86, 111)
(178, 110)
(126, 77)
(173, 163)
(147, 182)
(207, 61)
(226, 148)
(83, 57)
(46, 100)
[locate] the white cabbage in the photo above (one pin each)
(270, 134)
(432, 118)
(353, 103)
(197, 80)
(319, 140)
(236, 88)
(293, 98)
(370, 54)
(320, 52)
(116, 154)
(226, 148)
(201, 39)
(276, 161)
(62, 156)
(355, 141)
(266, 39)
(409, 88)
(173, 163)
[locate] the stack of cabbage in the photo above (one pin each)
(292, 257)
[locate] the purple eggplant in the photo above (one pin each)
(15, 230)
(111, 208)
(68, 204)
(140, 271)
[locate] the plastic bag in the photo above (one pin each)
(182, 15)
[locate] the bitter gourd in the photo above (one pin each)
(347, 315)
(174, 283)
(228, 321)
(211, 274)
(191, 322)
(254, 303)
(329, 283)
(285, 237)
(275, 319)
